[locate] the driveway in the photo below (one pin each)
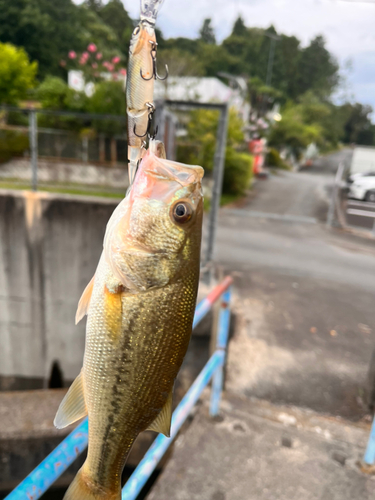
(305, 325)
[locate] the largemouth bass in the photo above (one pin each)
(140, 81)
(140, 307)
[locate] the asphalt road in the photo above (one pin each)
(305, 320)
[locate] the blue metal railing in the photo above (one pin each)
(51, 468)
(369, 458)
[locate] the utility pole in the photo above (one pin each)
(271, 56)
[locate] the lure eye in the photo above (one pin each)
(182, 212)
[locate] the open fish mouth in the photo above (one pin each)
(174, 177)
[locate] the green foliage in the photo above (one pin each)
(188, 65)
(207, 34)
(273, 159)
(317, 70)
(238, 172)
(17, 74)
(95, 30)
(239, 28)
(52, 93)
(46, 29)
(109, 98)
(12, 144)
(358, 127)
(199, 148)
(310, 120)
(293, 130)
(113, 14)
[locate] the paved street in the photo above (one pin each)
(305, 324)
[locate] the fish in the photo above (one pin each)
(140, 306)
(140, 82)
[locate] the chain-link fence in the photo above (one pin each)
(46, 148)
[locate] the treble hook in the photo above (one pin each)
(154, 64)
(149, 124)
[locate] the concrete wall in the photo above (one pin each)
(50, 245)
(49, 249)
(50, 170)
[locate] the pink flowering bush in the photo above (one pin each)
(93, 65)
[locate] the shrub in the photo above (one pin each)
(12, 144)
(238, 172)
(273, 159)
(199, 148)
(52, 93)
(17, 74)
(109, 98)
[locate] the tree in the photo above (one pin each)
(113, 14)
(109, 98)
(17, 74)
(179, 63)
(358, 127)
(95, 30)
(46, 29)
(317, 69)
(199, 148)
(207, 34)
(239, 28)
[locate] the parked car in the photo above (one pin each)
(362, 186)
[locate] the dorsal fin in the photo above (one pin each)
(162, 422)
(84, 301)
(73, 406)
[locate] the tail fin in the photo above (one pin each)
(82, 489)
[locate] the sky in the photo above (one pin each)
(347, 25)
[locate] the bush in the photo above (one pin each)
(238, 172)
(12, 144)
(109, 98)
(273, 159)
(52, 93)
(199, 148)
(17, 74)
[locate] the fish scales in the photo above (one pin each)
(140, 306)
(164, 351)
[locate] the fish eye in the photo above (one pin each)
(137, 30)
(182, 212)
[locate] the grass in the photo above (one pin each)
(79, 190)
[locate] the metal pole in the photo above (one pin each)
(50, 469)
(33, 138)
(46, 473)
(219, 163)
(222, 343)
(153, 456)
(270, 61)
(332, 206)
(369, 457)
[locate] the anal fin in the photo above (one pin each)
(84, 301)
(162, 422)
(73, 406)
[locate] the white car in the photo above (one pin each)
(362, 187)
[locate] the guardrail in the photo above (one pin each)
(369, 458)
(51, 468)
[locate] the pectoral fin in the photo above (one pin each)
(162, 422)
(84, 301)
(73, 406)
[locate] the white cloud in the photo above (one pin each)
(347, 26)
